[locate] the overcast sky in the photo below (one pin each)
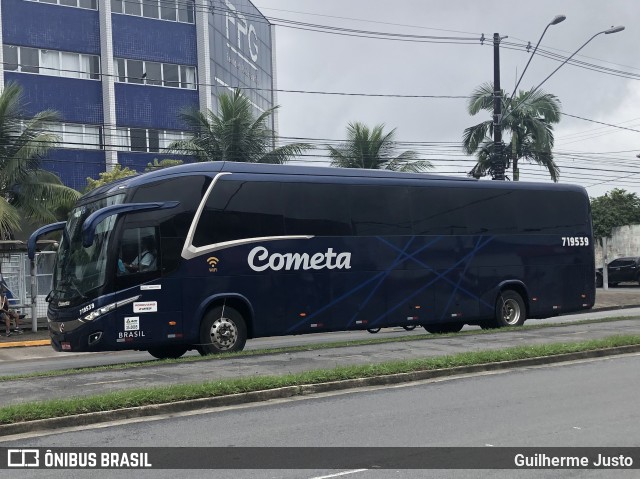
(314, 61)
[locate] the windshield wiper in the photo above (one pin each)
(75, 286)
(52, 295)
(70, 282)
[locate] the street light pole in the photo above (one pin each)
(557, 19)
(531, 92)
(498, 163)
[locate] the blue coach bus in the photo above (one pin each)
(207, 255)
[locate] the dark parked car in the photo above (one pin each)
(621, 270)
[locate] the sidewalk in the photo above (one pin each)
(614, 298)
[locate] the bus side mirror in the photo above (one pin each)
(33, 239)
(92, 221)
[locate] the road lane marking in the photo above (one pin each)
(344, 473)
(115, 381)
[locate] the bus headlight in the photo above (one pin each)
(105, 309)
(99, 312)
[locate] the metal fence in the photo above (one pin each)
(15, 270)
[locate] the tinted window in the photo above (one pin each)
(315, 209)
(438, 211)
(10, 57)
(154, 140)
(380, 210)
(188, 191)
(138, 252)
(489, 210)
(240, 209)
(171, 75)
(135, 71)
(550, 212)
(465, 210)
(138, 139)
(154, 73)
(29, 59)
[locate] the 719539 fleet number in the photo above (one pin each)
(575, 241)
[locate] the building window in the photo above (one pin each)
(88, 4)
(146, 140)
(51, 62)
(154, 73)
(77, 136)
(171, 10)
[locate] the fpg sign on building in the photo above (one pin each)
(242, 53)
(245, 38)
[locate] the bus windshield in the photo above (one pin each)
(80, 270)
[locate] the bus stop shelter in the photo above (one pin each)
(28, 281)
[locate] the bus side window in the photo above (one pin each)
(138, 251)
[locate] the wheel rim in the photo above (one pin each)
(224, 333)
(510, 311)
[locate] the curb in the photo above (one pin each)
(26, 343)
(611, 308)
(292, 391)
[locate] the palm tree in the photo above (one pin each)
(26, 191)
(529, 117)
(234, 134)
(374, 149)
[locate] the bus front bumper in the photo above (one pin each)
(75, 336)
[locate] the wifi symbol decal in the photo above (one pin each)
(213, 262)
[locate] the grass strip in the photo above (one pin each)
(180, 392)
(306, 347)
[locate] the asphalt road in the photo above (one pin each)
(590, 403)
(164, 375)
(44, 358)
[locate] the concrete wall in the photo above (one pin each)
(624, 241)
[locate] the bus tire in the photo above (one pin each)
(374, 330)
(167, 352)
(443, 328)
(510, 310)
(222, 330)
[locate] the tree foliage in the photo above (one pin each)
(27, 191)
(374, 149)
(613, 209)
(528, 119)
(158, 165)
(108, 176)
(233, 134)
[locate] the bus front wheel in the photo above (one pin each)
(222, 330)
(510, 310)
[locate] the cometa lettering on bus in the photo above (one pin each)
(260, 260)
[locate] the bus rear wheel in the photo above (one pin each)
(167, 352)
(222, 330)
(510, 310)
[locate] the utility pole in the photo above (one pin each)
(497, 160)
